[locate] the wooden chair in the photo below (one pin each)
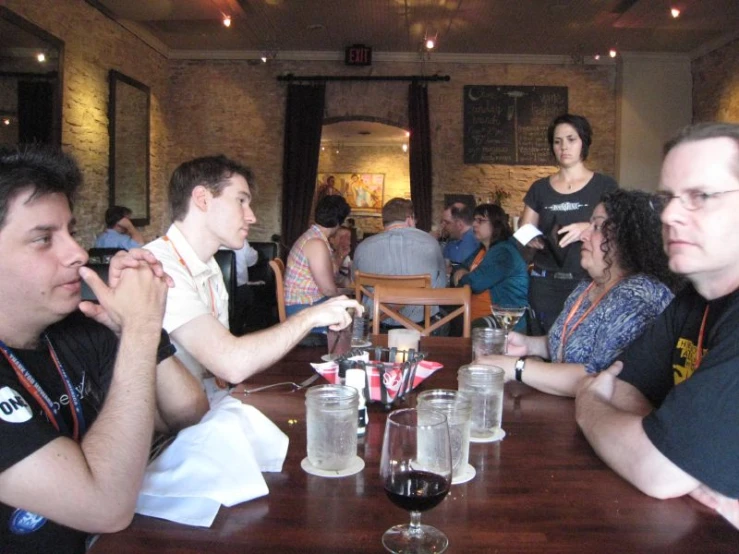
(364, 280)
(387, 298)
(278, 267)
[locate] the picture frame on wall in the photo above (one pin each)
(364, 192)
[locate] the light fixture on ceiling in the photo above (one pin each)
(612, 53)
(405, 147)
(41, 57)
(6, 121)
(226, 20)
(596, 57)
(675, 12)
(407, 133)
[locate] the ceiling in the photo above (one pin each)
(575, 28)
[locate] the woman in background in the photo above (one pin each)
(623, 255)
(560, 206)
(496, 272)
(309, 275)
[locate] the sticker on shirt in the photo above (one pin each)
(13, 408)
(23, 522)
(566, 207)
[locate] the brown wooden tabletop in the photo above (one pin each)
(542, 489)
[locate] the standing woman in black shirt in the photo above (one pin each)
(560, 206)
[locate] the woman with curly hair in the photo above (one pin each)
(622, 252)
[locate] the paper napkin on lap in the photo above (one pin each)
(218, 461)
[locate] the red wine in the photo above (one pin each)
(416, 491)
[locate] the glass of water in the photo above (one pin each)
(484, 385)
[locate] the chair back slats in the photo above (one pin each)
(278, 267)
(388, 298)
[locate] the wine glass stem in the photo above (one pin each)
(415, 526)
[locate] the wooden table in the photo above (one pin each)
(542, 489)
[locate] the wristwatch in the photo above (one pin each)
(519, 367)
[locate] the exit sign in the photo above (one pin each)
(358, 54)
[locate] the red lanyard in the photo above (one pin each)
(213, 310)
(39, 395)
(701, 333)
(573, 311)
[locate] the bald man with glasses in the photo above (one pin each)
(666, 415)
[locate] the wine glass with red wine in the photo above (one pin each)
(416, 471)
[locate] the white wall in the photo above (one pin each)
(655, 102)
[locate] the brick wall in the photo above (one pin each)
(716, 85)
(237, 108)
(93, 44)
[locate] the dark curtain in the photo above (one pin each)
(420, 153)
(303, 125)
(35, 111)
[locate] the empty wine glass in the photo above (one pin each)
(507, 317)
(416, 470)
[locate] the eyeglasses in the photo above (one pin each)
(481, 220)
(691, 200)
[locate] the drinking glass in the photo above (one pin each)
(507, 317)
(416, 470)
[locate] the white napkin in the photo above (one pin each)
(218, 461)
(526, 234)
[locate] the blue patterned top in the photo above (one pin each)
(620, 317)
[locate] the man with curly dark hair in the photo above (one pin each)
(629, 287)
(667, 423)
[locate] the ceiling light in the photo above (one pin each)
(430, 43)
(407, 133)
(596, 57)
(41, 57)
(264, 59)
(226, 20)
(612, 52)
(675, 13)
(405, 147)
(6, 121)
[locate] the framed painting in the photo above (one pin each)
(364, 192)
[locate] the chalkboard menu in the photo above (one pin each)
(508, 124)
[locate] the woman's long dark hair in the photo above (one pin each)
(632, 236)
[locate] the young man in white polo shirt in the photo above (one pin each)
(210, 200)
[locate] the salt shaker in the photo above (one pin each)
(357, 378)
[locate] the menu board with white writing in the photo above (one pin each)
(508, 124)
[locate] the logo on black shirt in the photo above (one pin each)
(13, 408)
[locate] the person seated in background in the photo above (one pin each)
(210, 202)
(401, 249)
(456, 223)
(119, 232)
(341, 247)
(309, 272)
(664, 416)
(623, 255)
(81, 396)
(495, 272)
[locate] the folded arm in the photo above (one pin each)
(93, 485)
(610, 412)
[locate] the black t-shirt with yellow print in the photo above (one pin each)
(696, 416)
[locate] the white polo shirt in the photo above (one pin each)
(199, 289)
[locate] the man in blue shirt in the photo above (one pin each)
(457, 223)
(120, 231)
